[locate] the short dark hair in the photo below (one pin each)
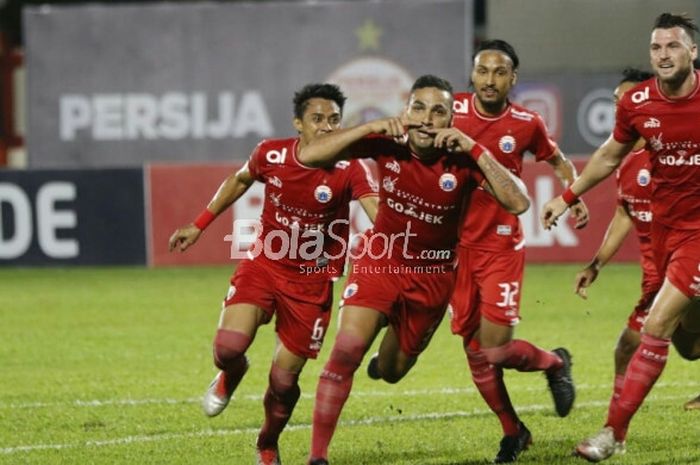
(324, 91)
(501, 46)
(428, 80)
(668, 20)
(635, 75)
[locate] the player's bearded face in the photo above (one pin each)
(432, 109)
(321, 116)
(672, 54)
(492, 76)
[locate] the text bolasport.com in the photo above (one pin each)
(308, 243)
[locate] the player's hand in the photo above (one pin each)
(551, 211)
(451, 139)
(393, 127)
(579, 212)
(584, 278)
(184, 237)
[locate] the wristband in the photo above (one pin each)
(204, 219)
(569, 197)
(476, 151)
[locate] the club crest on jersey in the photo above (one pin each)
(643, 177)
(350, 290)
(448, 182)
(506, 144)
(389, 184)
(323, 194)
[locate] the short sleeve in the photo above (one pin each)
(542, 145)
(256, 163)
(363, 181)
(624, 132)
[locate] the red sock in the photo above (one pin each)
(333, 390)
(229, 356)
(642, 372)
(522, 356)
(489, 381)
(617, 389)
(281, 397)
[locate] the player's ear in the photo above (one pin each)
(514, 80)
(298, 125)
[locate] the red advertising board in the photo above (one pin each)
(564, 243)
(178, 193)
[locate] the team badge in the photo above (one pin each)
(506, 144)
(448, 182)
(389, 184)
(323, 194)
(643, 177)
(350, 290)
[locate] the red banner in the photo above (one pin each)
(178, 193)
(564, 243)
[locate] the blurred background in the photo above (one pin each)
(119, 120)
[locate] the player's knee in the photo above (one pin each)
(284, 383)
(345, 358)
(394, 374)
(497, 355)
(687, 344)
(229, 349)
(625, 349)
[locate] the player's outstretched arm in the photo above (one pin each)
(603, 162)
(341, 144)
(619, 227)
(502, 184)
(566, 172)
(229, 191)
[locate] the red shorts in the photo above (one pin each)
(488, 285)
(414, 301)
(651, 283)
(303, 308)
(677, 256)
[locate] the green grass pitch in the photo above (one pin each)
(106, 366)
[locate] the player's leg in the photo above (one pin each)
(279, 401)
(302, 318)
(643, 370)
(390, 363)
(248, 304)
(499, 291)
(686, 338)
(236, 332)
(487, 378)
(358, 328)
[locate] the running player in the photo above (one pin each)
(664, 111)
(491, 254)
(299, 252)
(407, 275)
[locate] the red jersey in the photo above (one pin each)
(672, 131)
(634, 192)
(301, 206)
(489, 226)
(420, 202)
(634, 195)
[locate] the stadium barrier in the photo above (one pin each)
(125, 216)
(72, 217)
